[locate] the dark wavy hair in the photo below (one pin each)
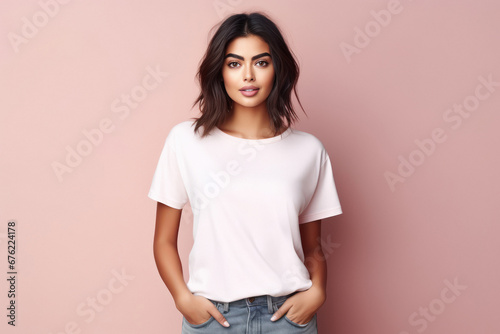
(215, 103)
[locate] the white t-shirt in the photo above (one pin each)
(248, 197)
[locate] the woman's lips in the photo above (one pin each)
(249, 93)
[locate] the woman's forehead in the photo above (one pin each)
(248, 46)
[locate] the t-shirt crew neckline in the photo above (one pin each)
(259, 141)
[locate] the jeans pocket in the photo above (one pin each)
(300, 325)
(203, 324)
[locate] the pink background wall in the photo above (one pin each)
(386, 102)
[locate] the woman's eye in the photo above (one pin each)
(262, 63)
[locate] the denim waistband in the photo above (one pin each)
(254, 301)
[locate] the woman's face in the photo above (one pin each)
(248, 63)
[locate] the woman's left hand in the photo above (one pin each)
(301, 307)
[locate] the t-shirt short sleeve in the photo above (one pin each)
(325, 201)
(167, 186)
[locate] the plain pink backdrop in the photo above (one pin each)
(392, 254)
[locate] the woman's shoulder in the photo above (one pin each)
(183, 128)
(183, 125)
(307, 139)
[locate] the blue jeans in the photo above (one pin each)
(251, 316)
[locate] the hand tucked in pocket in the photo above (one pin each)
(198, 309)
(301, 307)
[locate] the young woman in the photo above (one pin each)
(258, 190)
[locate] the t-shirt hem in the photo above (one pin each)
(320, 215)
(235, 297)
(167, 201)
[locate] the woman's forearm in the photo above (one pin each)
(315, 263)
(169, 266)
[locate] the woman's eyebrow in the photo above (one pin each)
(253, 58)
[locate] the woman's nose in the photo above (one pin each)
(248, 75)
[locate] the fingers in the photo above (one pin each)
(218, 316)
(281, 311)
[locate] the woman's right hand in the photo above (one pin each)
(198, 309)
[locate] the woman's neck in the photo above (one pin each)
(250, 123)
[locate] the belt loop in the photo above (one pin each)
(269, 303)
(226, 307)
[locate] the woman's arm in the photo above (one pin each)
(315, 261)
(165, 250)
(306, 303)
(196, 309)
